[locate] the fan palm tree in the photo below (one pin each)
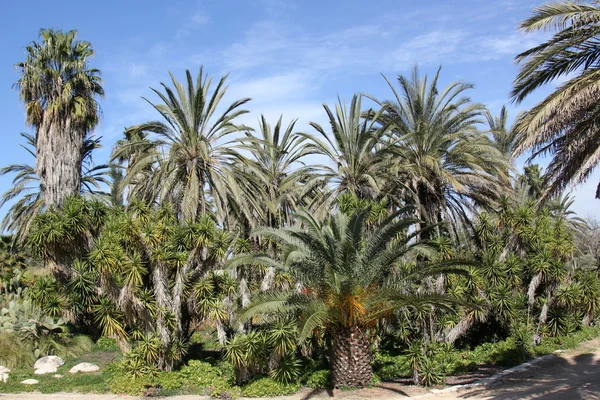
(59, 90)
(351, 279)
(447, 165)
(352, 149)
(191, 154)
(26, 187)
(564, 123)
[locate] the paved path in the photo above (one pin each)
(573, 375)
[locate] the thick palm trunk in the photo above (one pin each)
(58, 161)
(350, 358)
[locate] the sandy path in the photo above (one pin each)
(573, 375)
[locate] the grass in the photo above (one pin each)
(94, 382)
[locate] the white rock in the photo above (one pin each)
(3, 376)
(47, 365)
(45, 370)
(57, 376)
(84, 367)
(30, 382)
(4, 370)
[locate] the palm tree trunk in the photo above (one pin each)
(58, 161)
(350, 358)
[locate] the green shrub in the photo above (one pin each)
(106, 344)
(430, 372)
(318, 379)
(391, 367)
(267, 387)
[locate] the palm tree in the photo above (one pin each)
(564, 123)
(352, 148)
(27, 192)
(192, 156)
(505, 138)
(272, 182)
(350, 280)
(59, 91)
(445, 163)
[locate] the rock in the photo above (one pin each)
(30, 382)
(57, 376)
(84, 367)
(47, 365)
(4, 373)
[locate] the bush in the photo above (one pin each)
(106, 344)
(389, 367)
(195, 377)
(430, 372)
(318, 379)
(267, 387)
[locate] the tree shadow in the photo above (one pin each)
(316, 392)
(553, 379)
(392, 389)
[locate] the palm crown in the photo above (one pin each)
(350, 280)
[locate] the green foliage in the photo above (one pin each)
(288, 370)
(105, 344)
(26, 334)
(430, 372)
(195, 377)
(319, 379)
(267, 387)
(389, 367)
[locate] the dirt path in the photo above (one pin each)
(572, 375)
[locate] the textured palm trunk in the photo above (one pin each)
(350, 358)
(164, 304)
(58, 161)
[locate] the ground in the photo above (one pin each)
(572, 375)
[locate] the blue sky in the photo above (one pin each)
(289, 56)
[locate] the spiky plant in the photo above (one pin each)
(350, 281)
(191, 137)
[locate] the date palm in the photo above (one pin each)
(59, 90)
(192, 155)
(562, 125)
(351, 279)
(272, 180)
(447, 165)
(352, 151)
(504, 137)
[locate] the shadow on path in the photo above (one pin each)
(554, 379)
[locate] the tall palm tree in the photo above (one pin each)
(564, 123)
(190, 138)
(26, 187)
(504, 137)
(351, 149)
(272, 180)
(59, 90)
(447, 165)
(351, 279)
